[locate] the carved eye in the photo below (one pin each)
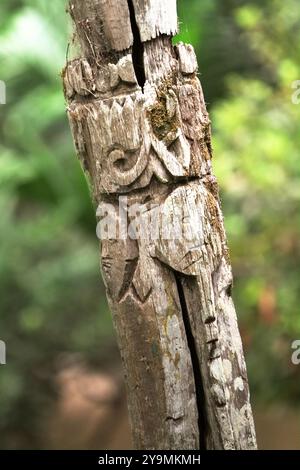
(120, 160)
(126, 166)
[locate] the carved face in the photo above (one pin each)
(130, 141)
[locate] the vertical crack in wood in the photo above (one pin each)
(137, 48)
(200, 396)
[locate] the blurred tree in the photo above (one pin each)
(257, 142)
(51, 298)
(221, 44)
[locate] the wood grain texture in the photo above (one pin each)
(155, 18)
(142, 133)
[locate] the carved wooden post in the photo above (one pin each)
(142, 132)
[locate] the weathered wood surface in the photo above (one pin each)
(142, 133)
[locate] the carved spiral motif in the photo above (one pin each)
(126, 166)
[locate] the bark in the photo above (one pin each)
(142, 132)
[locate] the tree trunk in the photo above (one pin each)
(142, 133)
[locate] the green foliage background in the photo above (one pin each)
(52, 301)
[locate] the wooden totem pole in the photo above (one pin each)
(142, 133)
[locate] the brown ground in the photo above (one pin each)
(91, 414)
